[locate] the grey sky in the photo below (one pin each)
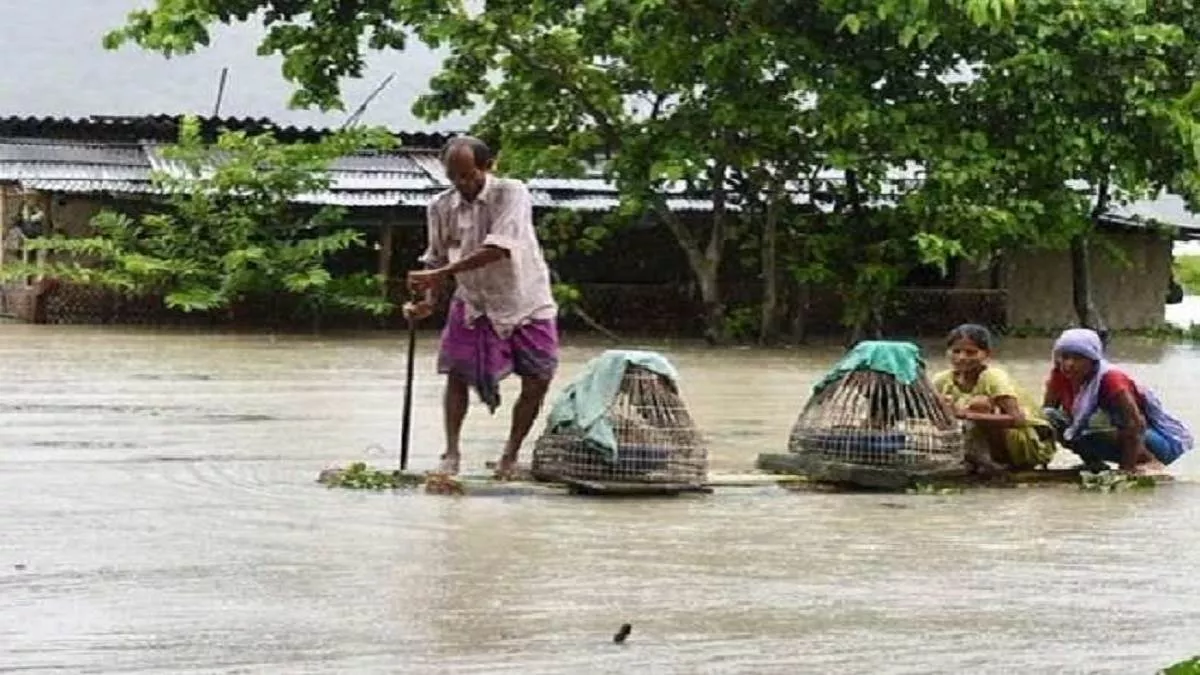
(54, 65)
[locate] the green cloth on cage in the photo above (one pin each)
(583, 405)
(901, 360)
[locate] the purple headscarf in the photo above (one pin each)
(1086, 343)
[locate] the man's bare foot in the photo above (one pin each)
(506, 468)
(449, 465)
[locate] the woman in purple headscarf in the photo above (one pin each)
(1141, 436)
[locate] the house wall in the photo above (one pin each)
(1130, 294)
(71, 216)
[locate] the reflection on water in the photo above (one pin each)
(156, 491)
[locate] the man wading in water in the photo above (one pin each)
(502, 315)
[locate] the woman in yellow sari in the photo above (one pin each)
(1005, 430)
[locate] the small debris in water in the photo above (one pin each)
(443, 484)
(20, 567)
(623, 633)
(893, 505)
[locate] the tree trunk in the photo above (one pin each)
(705, 262)
(1081, 274)
(866, 315)
(714, 308)
(800, 307)
(768, 329)
(1081, 278)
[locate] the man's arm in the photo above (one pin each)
(481, 258)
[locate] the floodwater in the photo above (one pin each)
(158, 515)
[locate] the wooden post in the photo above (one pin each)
(3, 222)
(46, 201)
(386, 246)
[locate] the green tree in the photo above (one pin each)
(227, 227)
(695, 100)
(1187, 273)
(1072, 108)
(657, 98)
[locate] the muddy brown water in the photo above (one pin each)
(158, 515)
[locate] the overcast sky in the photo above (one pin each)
(54, 65)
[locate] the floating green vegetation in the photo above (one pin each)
(359, 476)
(1113, 481)
(1188, 667)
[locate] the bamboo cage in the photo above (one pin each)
(657, 441)
(870, 418)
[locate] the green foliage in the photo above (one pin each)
(227, 228)
(1187, 273)
(1113, 481)
(1068, 105)
(359, 476)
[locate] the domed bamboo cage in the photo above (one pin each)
(864, 414)
(643, 432)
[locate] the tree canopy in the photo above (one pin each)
(1004, 109)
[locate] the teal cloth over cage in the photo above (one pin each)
(583, 405)
(901, 360)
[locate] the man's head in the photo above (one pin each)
(467, 161)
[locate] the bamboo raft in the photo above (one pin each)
(846, 476)
(523, 484)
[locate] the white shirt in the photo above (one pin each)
(509, 291)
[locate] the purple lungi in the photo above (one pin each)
(477, 354)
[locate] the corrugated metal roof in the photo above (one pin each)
(378, 163)
(89, 186)
(376, 172)
(165, 128)
(431, 164)
(1168, 209)
(606, 203)
(572, 184)
(366, 198)
(22, 150)
(51, 171)
(378, 181)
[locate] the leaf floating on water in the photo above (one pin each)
(359, 476)
(1113, 481)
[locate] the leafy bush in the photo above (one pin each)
(228, 226)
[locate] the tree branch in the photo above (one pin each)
(687, 241)
(605, 125)
(657, 107)
(583, 315)
(716, 239)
